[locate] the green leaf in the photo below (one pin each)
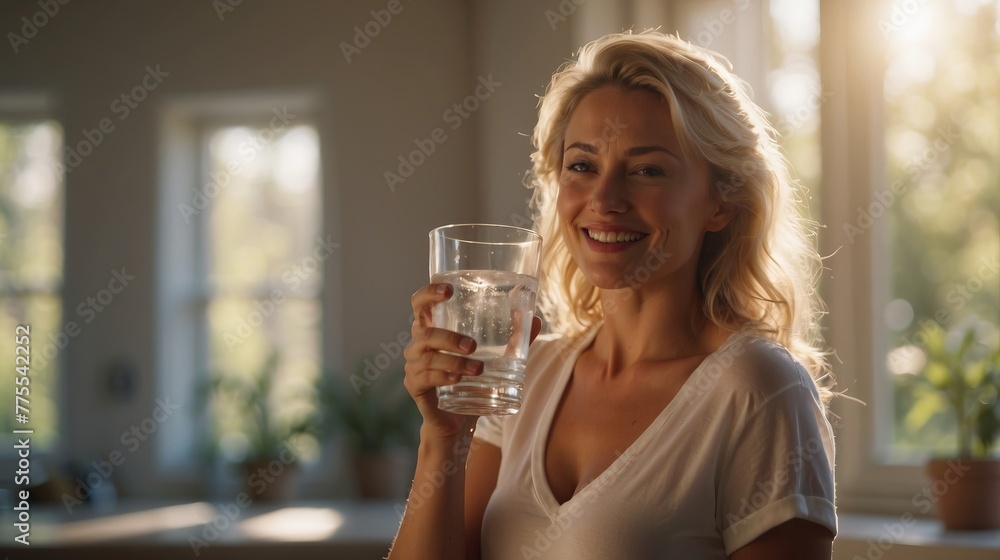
(937, 375)
(924, 408)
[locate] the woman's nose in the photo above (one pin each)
(608, 195)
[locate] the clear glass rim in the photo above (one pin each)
(533, 236)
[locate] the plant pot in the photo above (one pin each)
(383, 475)
(271, 480)
(968, 492)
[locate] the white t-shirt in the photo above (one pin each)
(744, 447)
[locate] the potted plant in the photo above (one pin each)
(380, 425)
(268, 439)
(965, 374)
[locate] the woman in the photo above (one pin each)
(676, 413)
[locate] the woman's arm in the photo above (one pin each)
(444, 514)
(433, 524)
(797, 539)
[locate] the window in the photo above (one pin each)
(242, 255)
(794, 93)
(942, 107)
(861, 92)
(31, 268)
(263, 251)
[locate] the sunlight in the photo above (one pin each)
(294, 524)
(911, 24)
(37, 183)
(297, 160)
(129, 525)
(905, 360)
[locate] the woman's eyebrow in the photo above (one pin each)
(641, 150)
(589, 148)
(635, 151)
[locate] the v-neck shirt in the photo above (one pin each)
(743, 447)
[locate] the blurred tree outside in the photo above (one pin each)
(942, 110)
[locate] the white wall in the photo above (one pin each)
(396, 89)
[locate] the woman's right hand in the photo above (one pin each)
(428, 366)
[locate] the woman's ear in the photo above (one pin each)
(724, 212)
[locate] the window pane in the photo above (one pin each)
(31, 209)
(244, 332)
(265, 220)
(31, 256)
(42, 314)
(264, 274)
(942, 94)
(794, 90)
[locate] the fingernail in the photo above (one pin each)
(466, 344)
(474, 367)
(454, 377)
(442, 288)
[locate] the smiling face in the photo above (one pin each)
(633, 209)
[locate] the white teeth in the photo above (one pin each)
(613, 237)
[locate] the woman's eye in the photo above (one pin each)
(649, 171)
(579, 166)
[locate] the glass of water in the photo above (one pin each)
(494, 270)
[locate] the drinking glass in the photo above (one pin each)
(494, 272)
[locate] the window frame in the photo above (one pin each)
(852, 66)
(182, 346)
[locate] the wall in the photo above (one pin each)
(428, 57)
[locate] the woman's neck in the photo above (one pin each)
(654, 324)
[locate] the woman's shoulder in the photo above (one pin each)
(759, 367)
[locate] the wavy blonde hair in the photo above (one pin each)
(758, 273)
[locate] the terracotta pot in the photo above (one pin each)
(968, 492)
(271, 480)
(384, 475)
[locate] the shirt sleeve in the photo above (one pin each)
(779, 468)
(490, 429)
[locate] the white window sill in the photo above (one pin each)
(882, 537)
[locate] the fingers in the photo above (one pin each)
(435, 356)
(424, 299)
(428, 338)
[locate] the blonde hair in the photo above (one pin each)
(758, 273)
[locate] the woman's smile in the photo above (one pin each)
(610, 239)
